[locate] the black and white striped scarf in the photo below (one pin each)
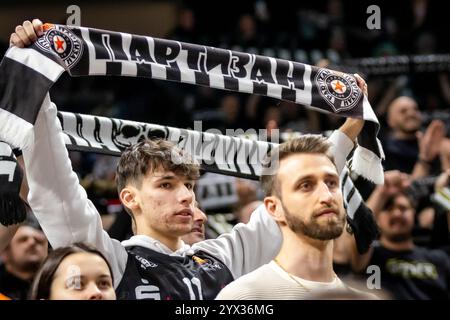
(27, 74)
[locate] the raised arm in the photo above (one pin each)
(344, 139)
(55, 195)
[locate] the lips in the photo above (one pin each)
(185, 213)
(197, 229)
(327, 212)
(398, 222)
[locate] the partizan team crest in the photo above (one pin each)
(63, 42)
(340, 91)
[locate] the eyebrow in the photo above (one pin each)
(168, 177)
(312, 176)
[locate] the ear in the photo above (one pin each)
(129, 196)
(274, 208)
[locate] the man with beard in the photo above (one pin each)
(406, 270)
(407, 149)
(21, 260)
(305, 199)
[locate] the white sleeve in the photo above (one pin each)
(56, 197)
(249, 246)
(341, 146)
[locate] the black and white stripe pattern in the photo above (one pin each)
(27, 74)
(8, 163)
(216, 153)
(12, 208)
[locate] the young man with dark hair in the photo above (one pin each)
(155, 181)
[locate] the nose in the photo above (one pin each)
(186, 195)
(199, 215)
(93, 292)
(325, 195)
(412, 112)
(396, 212)
(31, 241)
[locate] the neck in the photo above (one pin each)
(172, 242)
(21, 274)
(397, 246)
(307, 258)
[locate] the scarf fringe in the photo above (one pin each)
(368, 165)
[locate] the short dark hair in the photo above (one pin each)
(150, 154)
(40, 289)
(308, 143)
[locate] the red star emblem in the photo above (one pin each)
(339, 86)
(59, 43)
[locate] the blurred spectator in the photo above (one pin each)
(246, 191)
(440, 237)
(243, 214)
(101, 187)
(6, 234)
(272, 119)
(197, 233)
(185, 30)
(407, 271)
(445, 154)
(77, 272)
(21, 260)
(406, 148)
(230, 107)
(338, 43)
(297, 119)
(247, 35)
